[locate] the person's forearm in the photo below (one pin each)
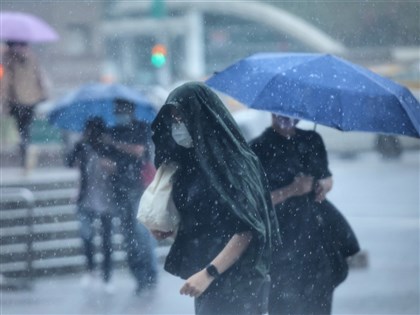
(282, 194)
(233, 250)
(200, 281)
(135, 150)
(301, 185)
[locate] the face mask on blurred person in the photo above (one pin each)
(181, 135)
(122, 119)
(285, 122)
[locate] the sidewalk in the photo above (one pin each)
(65, 295)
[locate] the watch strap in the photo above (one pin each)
(212, 271)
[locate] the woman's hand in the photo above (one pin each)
(322, 187)
(196, 284)
(302, 185)
(161, 235)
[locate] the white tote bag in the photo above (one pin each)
(157, 210)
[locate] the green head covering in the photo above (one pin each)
(227, 162)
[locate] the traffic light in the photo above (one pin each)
(158, 55)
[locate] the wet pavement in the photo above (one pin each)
(379, 197)
(66, 295)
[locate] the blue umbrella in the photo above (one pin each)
(96, 99)
(323, 89)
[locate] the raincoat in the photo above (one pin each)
(220, 189)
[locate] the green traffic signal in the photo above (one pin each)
(158, 60)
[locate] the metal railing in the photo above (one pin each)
(40, 236)
(10, 200)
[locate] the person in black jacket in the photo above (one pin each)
(309, 264)
(126, 145)
(95, 198)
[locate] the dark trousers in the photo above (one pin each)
(139, 243)
(246, 299)
(87, 233)
(299, 294)
(23, 116)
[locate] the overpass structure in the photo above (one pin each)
(187, 22)
(265, 14)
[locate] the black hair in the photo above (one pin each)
(11, 44)
(124, 103)
(95, 124)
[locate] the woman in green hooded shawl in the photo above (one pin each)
(223, 245)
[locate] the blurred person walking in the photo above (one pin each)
(227, 225)
(22, 88)
(316, 239)
(94, 200)
(128, 147)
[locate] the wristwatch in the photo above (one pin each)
(212, 271)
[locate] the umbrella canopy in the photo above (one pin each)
(23, 27)
(96, 100)
(321, 88)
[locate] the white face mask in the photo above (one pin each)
(181, 135)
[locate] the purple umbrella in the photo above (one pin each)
(23, 27)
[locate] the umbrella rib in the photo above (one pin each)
(262, 90)
(373, 78)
